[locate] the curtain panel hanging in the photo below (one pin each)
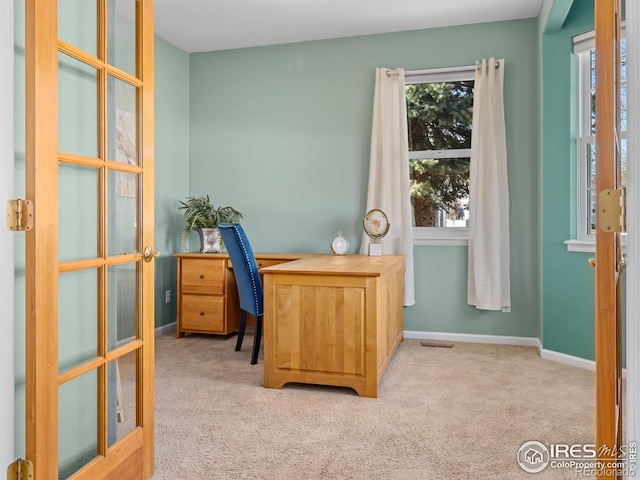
(388, 187)
(489, 286)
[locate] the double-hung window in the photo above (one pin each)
(584, 49)
(439, 117)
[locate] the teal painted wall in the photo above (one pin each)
(282, 133)
(568, 282)
(171, 168)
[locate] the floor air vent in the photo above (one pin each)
(437, 345)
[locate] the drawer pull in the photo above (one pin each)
(201, 276)
(202, 314)
(261, 264)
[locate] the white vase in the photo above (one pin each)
(209, 240)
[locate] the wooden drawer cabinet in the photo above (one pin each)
(203, 276)
(203, 313)
(207, 298)
(268, 262)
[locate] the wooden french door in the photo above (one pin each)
(89, 268)
(609, 257)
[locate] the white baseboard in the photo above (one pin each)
(169, 327)
(568, 359)
(506, 340)
(473, 338)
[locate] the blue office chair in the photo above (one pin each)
(245, 270)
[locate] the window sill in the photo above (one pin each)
(583, 246)
(589, 245)
(450, 237)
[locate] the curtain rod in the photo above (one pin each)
(497, 65)
(469, 68)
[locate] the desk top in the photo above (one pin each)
(258, 255)
(326, 264)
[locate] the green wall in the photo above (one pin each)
(568, 282)
(171, 168)
(283, 132)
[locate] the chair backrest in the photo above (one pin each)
(245, 268)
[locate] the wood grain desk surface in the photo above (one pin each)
(327, 264)
(272, 256)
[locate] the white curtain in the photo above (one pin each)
(489, 286)
(389, 171)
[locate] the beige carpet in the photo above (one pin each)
(458, 413)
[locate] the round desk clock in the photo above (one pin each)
(340, 245)
(376, 225)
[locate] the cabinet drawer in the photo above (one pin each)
(203, 312)
(269, 262)
(203, 276)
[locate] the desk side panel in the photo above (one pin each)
(390, 320)
(320, 329)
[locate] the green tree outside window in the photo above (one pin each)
(439, 119)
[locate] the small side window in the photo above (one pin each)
(584, 49)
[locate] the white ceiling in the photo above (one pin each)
(206, 25)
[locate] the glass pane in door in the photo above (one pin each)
(623, 162)
(77, 24)
(123, 212)
(77, 107)
(77, 318)
(78, 213)
(123, 298)
(122, 397)
(123, 131)
(77, 423)
(122, 35)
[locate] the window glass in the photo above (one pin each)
(586, 151)
(439, 118)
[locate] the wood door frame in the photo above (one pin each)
(41, 290)
(146, 65)
(41, 150)
(607, 16)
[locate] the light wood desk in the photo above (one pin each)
(332, 320)
(207, 299)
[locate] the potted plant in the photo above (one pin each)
(201, 216)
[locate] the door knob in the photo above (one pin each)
(149, 254)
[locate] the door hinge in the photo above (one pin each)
(612, 210)
(19, 215)
(20, 470)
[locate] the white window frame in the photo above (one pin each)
(449, 236)
(582, 46)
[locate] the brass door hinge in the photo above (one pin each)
(20, 470)
(19, 215)
(612, 210)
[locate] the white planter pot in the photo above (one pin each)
(209, 240)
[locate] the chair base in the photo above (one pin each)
(257, 336)
(243, 326)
